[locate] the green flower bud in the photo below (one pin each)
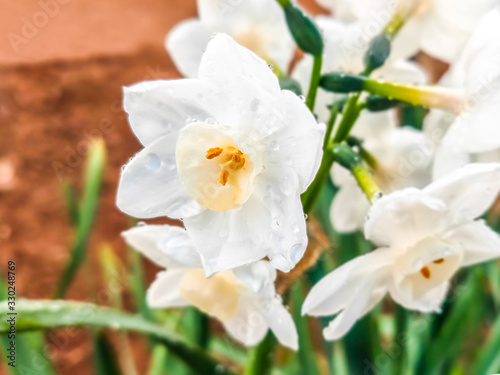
(303, 30)
(378, 52)
(375, 103)
(288, 83)
(341, 82)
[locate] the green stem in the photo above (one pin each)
(350, 116)
(447, 99)
(261, 361)
(366, 182)
(331, 123)
(403, 13)
(315, 77)
(351, 113)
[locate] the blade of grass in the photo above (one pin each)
(93, 178)
(489, 359)
(71, 203)
(46, 314)
(113, 269)
(105, 361)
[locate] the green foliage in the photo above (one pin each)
(304, 31)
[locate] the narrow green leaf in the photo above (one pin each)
(46, 314)
(105, 357)
(71, 203)
(489, 359)
(93, 177)
(306, 354)
(262, 356)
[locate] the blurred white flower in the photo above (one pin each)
(229, 153)
(344, 53)
(473, 135)
(258, 25)
(403, 158)
(425, 236)
(244, 299)
(438, 27)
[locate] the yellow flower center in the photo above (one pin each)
(215, 170)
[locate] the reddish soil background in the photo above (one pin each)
(63, 64)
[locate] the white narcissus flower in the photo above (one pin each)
(229, 153)
(473, 135)
(403, 158)
(425, 236)
(258, 25)
(344, 53)
(438, 27)
(243, 299)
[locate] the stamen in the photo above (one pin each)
(438, 261)
(237, 161)
(224, 176)
(214, 152)
(425, 272)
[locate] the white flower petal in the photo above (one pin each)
(226, 63)
(468, 191)
(186, 43)
(248, 325)
(164, 291)
(403, 218)
(360, 299)
(150, 184)
(270, 223)
(280, 322)
(258, 276)
(480, 242)
(168, 246)
(335, 291)
(296, 143)
(429, 302)
(158, 108)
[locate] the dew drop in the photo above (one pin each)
(275, 145)
(305, 216)
(141, 224)
(377, 196)
(153, 162)
(303, 98)
(210, 121)
(256, 105)
(296, 252)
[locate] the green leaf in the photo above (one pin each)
(93, 177)
(489, 359)
(71, 203)
(304, 31)
(45, 314)
(306, 354)
(262, 356)
(105, 357)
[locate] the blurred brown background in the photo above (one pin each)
(62, 67)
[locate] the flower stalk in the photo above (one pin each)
(315, 78)
(346, 157)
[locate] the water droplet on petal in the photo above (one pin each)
(275, 146)
(153, 162)
(305, 216)
(256, 105)
(141, 224)
(378, 195)
(303, 98)
(296, 252)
